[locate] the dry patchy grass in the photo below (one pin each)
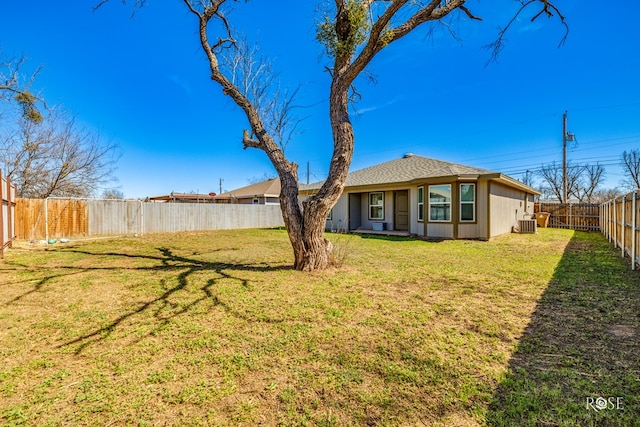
(217, 329)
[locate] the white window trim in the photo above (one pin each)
(420, 204)
(439, 204)
(370, 205)
(468, 203)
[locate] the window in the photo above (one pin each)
(376, 205)
(330, 215)
(467, 202)
(440, 203)
(420, 203)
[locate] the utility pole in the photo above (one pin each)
(308, 173)
(566, 137)
(564, 157)
(220, 186)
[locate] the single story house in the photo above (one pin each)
(430, 198)
(174, 197)
(261, 193)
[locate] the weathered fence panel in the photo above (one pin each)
(38, 219)
(619, 218)
(41, 218)
(574, 216)
(115, 217)
(8, 194)
(173, 217)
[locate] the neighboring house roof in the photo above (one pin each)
(184, 197)
(268, 188)
(411, 168)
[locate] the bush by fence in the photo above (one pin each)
(42, 219)
(7, 212)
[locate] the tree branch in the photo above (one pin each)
(548, 8)
(248, 142)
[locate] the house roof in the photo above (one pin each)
(411, 168)
(268, 188)
(183, 197)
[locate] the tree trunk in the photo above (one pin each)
(312, 250)
(305, 227)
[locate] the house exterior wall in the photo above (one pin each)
(339, 215)
(344, 209)
(415, 226)
(483, 210)
(479, 228)
(506, 206)
(440, 230)
(261, 200)
(498, 208)
(367, 223)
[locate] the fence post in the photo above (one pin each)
(623, 226)
(571, 216)
(603, 216)
(141, 218)
(46, 219)
(615, 224)
(11, 221)
(2, 213)
(633, 230)
(609, 218)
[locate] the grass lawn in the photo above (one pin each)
(217, 329)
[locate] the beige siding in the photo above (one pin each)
(468, 231)
(415, 227)
(444, 230)
(507, 206)
(482, 210)
(339, 218)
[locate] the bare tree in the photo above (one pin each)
(607, 194)
(55, 158)
(590, 179)
(583, 181)
(113, 193)
(631, 164)
(551, 175)
(527, 178)
(353, 32)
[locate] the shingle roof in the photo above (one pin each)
(270, 187)
(408, 168)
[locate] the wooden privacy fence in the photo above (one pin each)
(7, 212)
(56, 218)
(574, 216)
(620, 218)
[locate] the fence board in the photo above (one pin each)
(83, 218)
(8, 194)
(620, 218)
(575, 216)
(41, 219)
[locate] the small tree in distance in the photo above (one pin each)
(353, 33)
(631, 164)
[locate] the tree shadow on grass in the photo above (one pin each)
(581, 346)
(167, 261)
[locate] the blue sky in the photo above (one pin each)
(143, 84)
